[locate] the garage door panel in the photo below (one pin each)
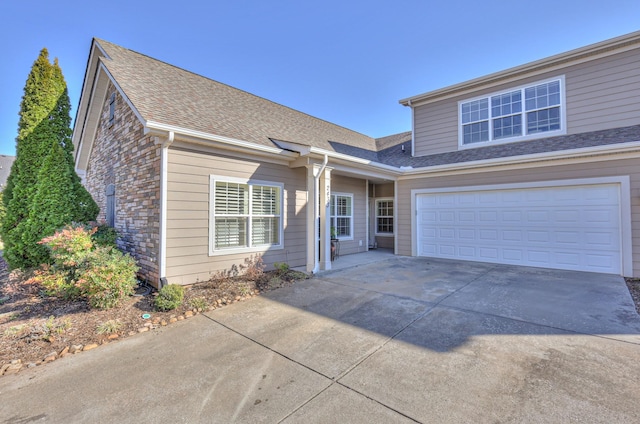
(571, 227)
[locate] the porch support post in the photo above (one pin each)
(312, 221)
(325, 218)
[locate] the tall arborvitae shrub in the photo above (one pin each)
(43, 133)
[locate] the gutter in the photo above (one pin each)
(151, 127)
(164, 159)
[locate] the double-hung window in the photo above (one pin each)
(384, 216)
(342, 215)
(245, 215)
(531, 111)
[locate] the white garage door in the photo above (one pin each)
(570, 227)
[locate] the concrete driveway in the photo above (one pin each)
(401, 340)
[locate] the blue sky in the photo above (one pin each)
(348, 62)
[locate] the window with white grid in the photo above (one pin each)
(384, 216)
(245, 215)
(342, 215)
(531, 111)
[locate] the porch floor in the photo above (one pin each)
(355, 259)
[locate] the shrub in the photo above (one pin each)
(105, 236)
(109, 278)
(102, 275)
(253, 267)
(169, 297)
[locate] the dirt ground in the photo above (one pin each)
(35, 327)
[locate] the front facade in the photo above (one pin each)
(535, 165)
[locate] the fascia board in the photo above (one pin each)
(185, 134)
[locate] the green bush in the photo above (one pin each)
(102, 275)
(105, 236)
(109, 278)
(169, 297)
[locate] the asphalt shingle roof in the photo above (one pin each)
(170, 95)
(395, 157)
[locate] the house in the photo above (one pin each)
(5, 169)
(535, 165)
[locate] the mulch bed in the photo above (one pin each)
(35, 328)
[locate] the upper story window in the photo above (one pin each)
(531, 111)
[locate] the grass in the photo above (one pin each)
(109, 327)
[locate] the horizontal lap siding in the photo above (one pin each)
(188, 257)
(600, 94)
(551, 173)
(356, 187)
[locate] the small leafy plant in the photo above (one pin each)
(169, 297)
(82, 269)
(109, 327)
(199, 303)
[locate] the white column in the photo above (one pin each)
(325, 218)
(312, 222)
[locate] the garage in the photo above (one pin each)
(558, 225)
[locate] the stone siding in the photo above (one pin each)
(122, 155)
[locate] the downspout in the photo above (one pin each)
(316, 212)
(164, 159)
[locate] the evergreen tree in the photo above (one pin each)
(43, 131)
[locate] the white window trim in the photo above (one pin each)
(376, 216)
(563, 116)
(332, 215)
(219, 252)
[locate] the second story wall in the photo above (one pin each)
(600, 94)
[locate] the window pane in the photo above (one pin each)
(543, 120)
(385, 225)
(506, 104)
(230, 232)
(475, 111)
(265, 231)
(343, 226)
(474, 133)
(231, 199)
(543, 95)
(510, 126)
(265, 200)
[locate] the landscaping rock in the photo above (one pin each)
(75, 348)
(50, 357)
(143, 329)
(113, 336)
(90, 346)
(32, 365)
(13, 368)
(188, 314)
(172, 320)
(4, 368)
(64, 351)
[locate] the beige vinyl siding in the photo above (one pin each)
(357, 187)
(547, 173)
(436, 128)
(600, 94)
(188, 257)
